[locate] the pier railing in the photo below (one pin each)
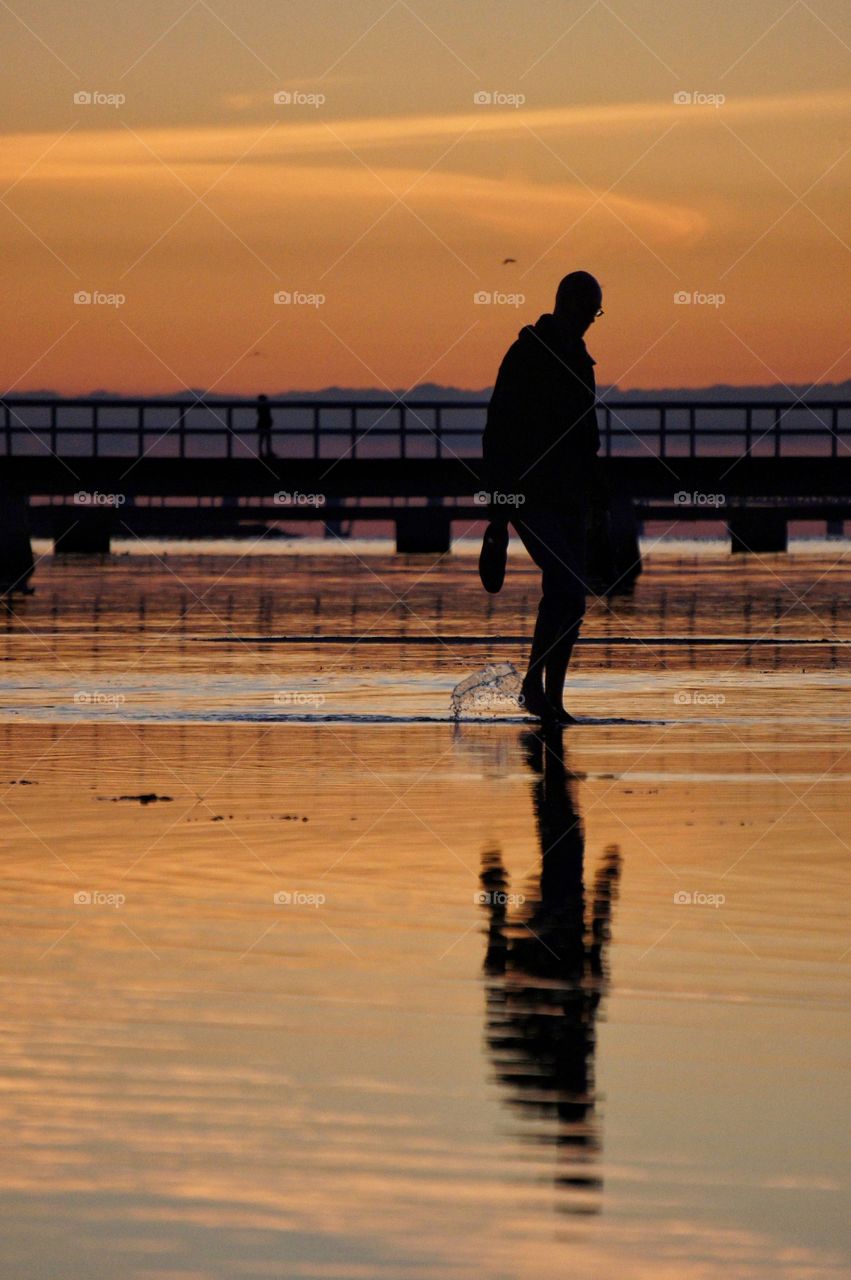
(414, 428)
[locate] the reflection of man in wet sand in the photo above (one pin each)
(546, 969)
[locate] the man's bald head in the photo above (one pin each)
(578, 295)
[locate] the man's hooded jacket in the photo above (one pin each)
(541, 436)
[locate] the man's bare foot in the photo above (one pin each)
(564, 718)
(535, 701)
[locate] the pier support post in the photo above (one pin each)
(16, 557)
(423, 529)
(624, 531)
(758, 531)
(84, 534)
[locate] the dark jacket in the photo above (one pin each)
(541, 436)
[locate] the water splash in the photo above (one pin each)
(495, 687)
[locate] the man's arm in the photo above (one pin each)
(509, 412)
(496, 441)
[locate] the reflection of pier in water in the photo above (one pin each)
(342, 611)
(546, 974)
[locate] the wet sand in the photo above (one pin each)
(322, 1007)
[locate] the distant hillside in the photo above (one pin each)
(433, 391)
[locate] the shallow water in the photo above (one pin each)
(438, 1053)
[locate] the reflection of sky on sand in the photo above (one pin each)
(233, 1091)
(202, 1083)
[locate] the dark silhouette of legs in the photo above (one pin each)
(556, 542)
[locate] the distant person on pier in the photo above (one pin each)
(264, 428)
(539, 448)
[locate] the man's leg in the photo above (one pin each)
(534, 698)
(566, 588)
(557, 663)
(556, 542)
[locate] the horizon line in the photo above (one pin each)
(336, 391)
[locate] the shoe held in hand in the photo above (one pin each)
(493, 556)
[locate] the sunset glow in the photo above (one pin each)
(388, 194)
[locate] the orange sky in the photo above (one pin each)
(388, 206)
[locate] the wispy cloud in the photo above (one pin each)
(311, 137)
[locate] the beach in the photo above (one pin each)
(285, 992)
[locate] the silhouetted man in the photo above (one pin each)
(540, 445)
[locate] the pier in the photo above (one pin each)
(90, 470)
